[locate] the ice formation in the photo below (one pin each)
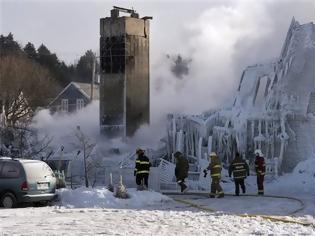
(273, 110)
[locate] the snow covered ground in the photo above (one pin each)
(95, 211)
(53, 221)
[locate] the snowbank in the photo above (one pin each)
(102, 198)
(301, 180)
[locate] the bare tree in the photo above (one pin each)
(25, 142)
(25, 85)
(87, 147)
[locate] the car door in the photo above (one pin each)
(11, 177)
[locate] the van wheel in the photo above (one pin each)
(8, 200)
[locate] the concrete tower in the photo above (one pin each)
(125, 77)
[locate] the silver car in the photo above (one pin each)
(24, 180)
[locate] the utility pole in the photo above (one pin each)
(93, 77)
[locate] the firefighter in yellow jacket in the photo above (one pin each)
(215, 172)
(142, 170)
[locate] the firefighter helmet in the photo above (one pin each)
(213, 154)
(258, 152)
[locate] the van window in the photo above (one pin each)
(10, 170)
(1, 164)
(37, 170)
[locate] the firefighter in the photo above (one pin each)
(215, 172)
(260, 170)
(142, 169)
(240, 171)
(181, 170)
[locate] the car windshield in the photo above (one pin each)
(37, 170)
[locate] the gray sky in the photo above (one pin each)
(221, 37)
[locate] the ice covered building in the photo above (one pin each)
(274, 110)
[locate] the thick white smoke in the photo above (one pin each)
(221, 40)
(61, 127)
(212, 41)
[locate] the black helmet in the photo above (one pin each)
(139, 151)
(177, 154)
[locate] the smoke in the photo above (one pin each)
(61, 127)
(211, 41)
(221, 40)
(218, 39)
(179, 66)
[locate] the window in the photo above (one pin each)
(64, 105)
(80, 104)
(10, 170)
(1, 165)
(37, 170)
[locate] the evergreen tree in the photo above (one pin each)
(51, 61)
(63, 73)
(85, 67)
(8, 46)
(45, 57)
(30, 51)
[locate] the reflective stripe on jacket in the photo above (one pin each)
(142, 165)
(215, 167)
(239, 168)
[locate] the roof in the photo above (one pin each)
(84, 88)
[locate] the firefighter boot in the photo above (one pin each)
(221, 195)
(140, 188)
(183, 187)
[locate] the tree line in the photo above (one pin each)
(63, 74)
(38, 73)
(30, 78)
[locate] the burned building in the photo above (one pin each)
(125, 75)
(273, 110)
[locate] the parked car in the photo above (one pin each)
(24, 180)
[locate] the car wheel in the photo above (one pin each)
(8, 200)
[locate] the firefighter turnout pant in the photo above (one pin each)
(142, 179)
(260, 184)
(181, 183)
(216, 187)
(239, 182)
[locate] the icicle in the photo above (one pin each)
(180, 141)
(209, 144)
(174, 134)
(259, 133)
(253, 128)
(199, 154)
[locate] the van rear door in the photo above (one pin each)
(40, 177)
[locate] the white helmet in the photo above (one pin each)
(258, 152)
(213, 154)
